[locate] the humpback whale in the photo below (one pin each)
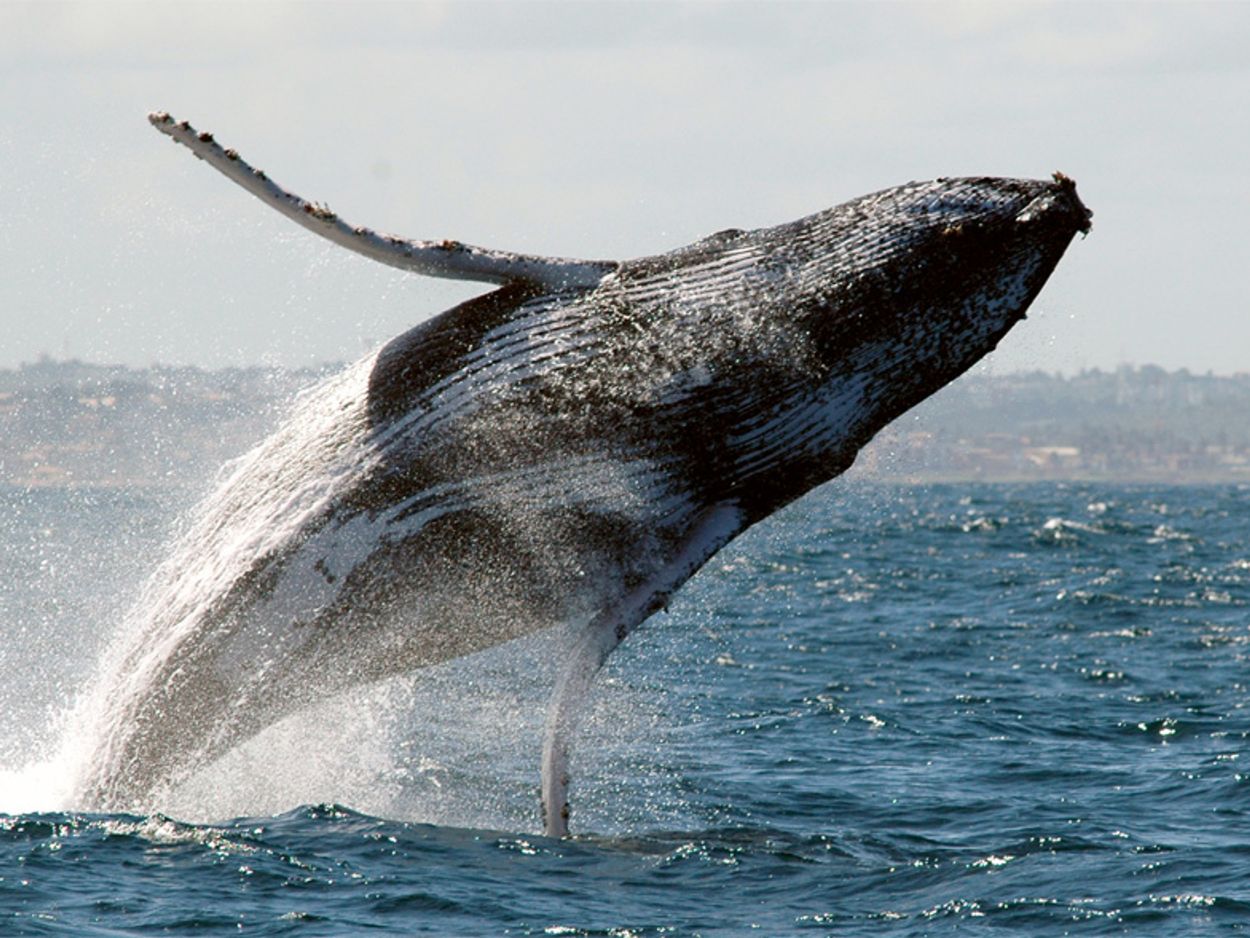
(568, 448)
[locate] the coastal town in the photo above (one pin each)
(74, 424)
(1134, 424)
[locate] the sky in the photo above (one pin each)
(597, 130)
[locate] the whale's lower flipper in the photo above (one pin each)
(450, 259)
(714, 528)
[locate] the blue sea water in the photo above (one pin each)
(1011, 710)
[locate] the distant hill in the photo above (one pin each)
(76, 424)
(69, 423)
(1133, 424)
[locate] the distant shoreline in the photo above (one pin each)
(72, 425)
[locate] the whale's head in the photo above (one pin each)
(933, 274)
(847, 318)
(905, 290)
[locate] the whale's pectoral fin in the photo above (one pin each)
(712, 530)
(433, 258)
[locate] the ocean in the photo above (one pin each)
(888, 711)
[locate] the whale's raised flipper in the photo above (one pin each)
(450, 259)
(716, 527)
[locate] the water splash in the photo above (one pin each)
(176, 623)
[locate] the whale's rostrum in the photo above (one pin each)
(566, 449)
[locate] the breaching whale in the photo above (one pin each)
(568, 448)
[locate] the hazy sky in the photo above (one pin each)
(600, 130)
